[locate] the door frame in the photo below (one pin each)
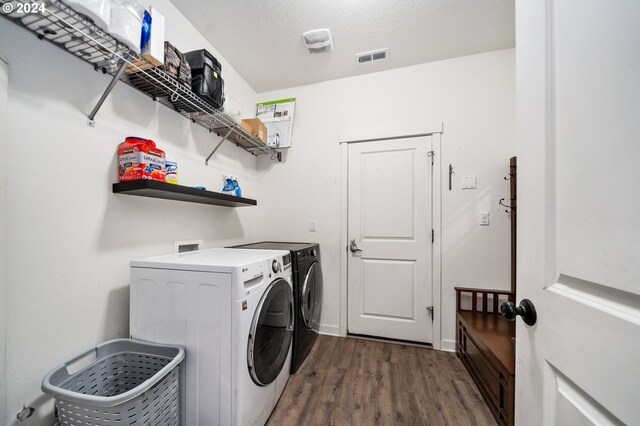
(360, 134)
(4, 137)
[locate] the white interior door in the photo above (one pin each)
(578, 65)
(389, 220)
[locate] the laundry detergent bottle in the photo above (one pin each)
(236, 187)
(231, 186)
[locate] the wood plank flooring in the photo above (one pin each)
(348, 381)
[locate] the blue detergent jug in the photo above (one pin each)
(231, 186)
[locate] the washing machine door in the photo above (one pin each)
(271, 333)
(311, 296)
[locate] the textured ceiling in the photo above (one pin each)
(262, 38)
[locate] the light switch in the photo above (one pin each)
(469, 182)
(484, 219)
(312, 226)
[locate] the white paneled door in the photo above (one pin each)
(578, 91)
(389, 229)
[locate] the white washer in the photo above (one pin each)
(232, 310)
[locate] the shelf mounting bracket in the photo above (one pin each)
(107, 91)
(206, 162)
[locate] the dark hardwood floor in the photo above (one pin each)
(348, 381)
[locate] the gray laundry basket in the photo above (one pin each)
(120, 382)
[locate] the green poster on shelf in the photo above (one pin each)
(277, 116)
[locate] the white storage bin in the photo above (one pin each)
(126, 22)
(98, 10)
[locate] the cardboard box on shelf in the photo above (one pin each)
(234, 137)
(255, 127)
(138, 65)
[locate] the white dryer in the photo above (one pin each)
(232, 310)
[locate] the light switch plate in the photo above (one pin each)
(484, 219)
(469, 182)
(312, 226)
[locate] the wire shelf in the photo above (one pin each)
(78, 35)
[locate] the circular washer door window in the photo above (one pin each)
(311, 296)
(271, 333)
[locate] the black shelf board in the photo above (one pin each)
(168, 191)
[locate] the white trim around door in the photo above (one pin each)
(395, 132)
(4, 133)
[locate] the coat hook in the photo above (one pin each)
(508, 178)
(509, 208)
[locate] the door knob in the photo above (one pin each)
(526, 310)
(353, 246)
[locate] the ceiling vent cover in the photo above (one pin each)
(374, 55)
(318, 41)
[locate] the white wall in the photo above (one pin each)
(474, 97)
(69, 239)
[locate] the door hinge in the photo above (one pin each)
(432, 155)
(430, 311)
(433, 236)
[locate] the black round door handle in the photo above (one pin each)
(526, 310)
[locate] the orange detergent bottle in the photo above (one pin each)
(139, 158)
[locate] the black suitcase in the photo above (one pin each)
(206, 78)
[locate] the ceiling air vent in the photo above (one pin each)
(318, 41)
(374, 55)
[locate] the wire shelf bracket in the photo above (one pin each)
(117, 76)
(224, 138)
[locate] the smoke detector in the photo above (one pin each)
(374, 55)
(318, 41)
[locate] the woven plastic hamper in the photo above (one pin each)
(120, 382)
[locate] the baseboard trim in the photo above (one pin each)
(393, 341)
(334, 330)
(329, 330)
(448, 345)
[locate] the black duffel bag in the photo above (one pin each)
(206, 79)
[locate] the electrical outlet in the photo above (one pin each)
(484, 219)
(312, 226)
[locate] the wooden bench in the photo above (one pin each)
(485, 342)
